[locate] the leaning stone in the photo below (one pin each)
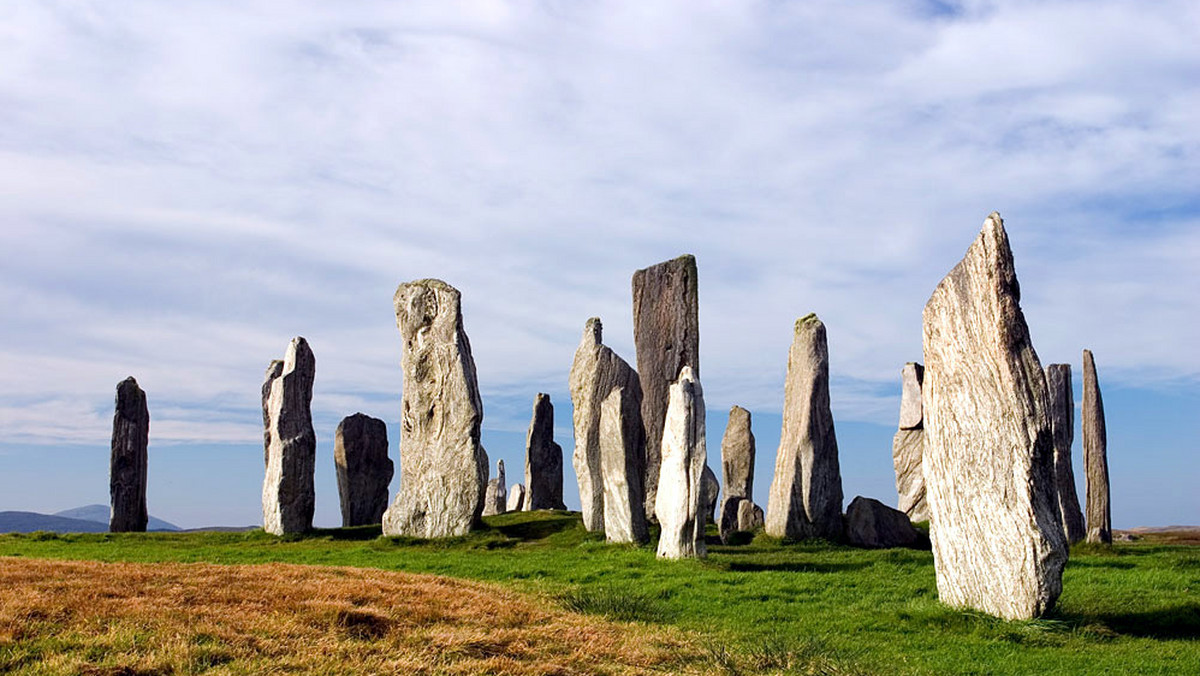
(543, 459)
(364, 470)
(684, 455)
(127, 465)
(622, 467)
(806, 491)
(666, 334)
(907, 448)
(1095, 456)
(1062, 424)
(737, 455)
(711, 489)
(872, 524)
(516, 498)
(288, 499)
(443, 467)
(749, 516)
(998, 541)
(495, 499)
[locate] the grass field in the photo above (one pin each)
(760, 607)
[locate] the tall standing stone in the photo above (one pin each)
(666, 334)
(806, 491)
(595, 373)
(1062, 425)
(737, 468)
(622, 462)
(543, 459)
(127, 465)
(684, 456)
(495, 500)
(443, 467)
(290, 442)
(1095, 456)
(908, 445)
(364, 470)
(998, 541)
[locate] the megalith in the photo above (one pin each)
(1095, 456)
(364, 470)
(622, 462)
(543, 459)
(290, 442)
(684, 456)
(127, 464)
(516, 498)
(495, 500)
(806, 491)
(874, 525)
(1062, 426)
(737, 468)
(998, 540)
(907, 445)
(749, 516)
(666, 335)
(443, 467)
(710, 490)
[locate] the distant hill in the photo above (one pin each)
(28, 522)
(100, 513)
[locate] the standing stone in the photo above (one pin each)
(666, 334)
(443, 467)
(710, 490)
(749, 516)
(127, 465)
(998, 541)
(595, 373)
(290, 442)
(516, 498)
(684, 455)
(543, 459)
(495, 499)
(737, 468)
(1095, 456)
(908, 444)
(738, 514)
(364, 470)
(1062, 425)
(872, 524)
(806, 491)
(622, 462)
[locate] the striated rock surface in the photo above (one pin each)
(595, 373)
(907, 446)
(737, 455)
(495, 500)
(666, 334)
(872, 524)
(288, 498)
(127, 465)
(710, 490)
(516, 498)
(622, 462)
(364, 470)
(1062, 425)
(1095, 456)
(443, 467)
(998, 541)
(679, 499)
(543, 459)
(806, 491)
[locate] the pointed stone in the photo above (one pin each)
(1095, 456)
(622, 462)
(872, 524)
(516, 498)
(666, 334)
(998, 542)
(364, 470)
(806, 491)
(711, 489)
(127, 465)
(595, 373)
(737, 455)
(679, 499)
(288, 499)
(543, 459)
(1062, 425)
(443, 467)
(495, 499)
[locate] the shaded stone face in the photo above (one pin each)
(710, 489)
(1062, 425)
(666, 333)
(288, 498)
(495, 499)
(622, 461)
(516, 498)
(738, 515)
(543, 459)
(1095, 456)
(737, 455)
(680, 496)
(443, 467)
(908, 445)
(364, 470)
(988, 461)
(127, 465)
(872, 524)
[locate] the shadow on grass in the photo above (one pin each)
(351, 533)
(539, 529)
(1176, 622)
(794, 567)
(1106, 563)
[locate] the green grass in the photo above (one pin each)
(766, 606)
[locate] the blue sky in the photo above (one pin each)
(186, 186)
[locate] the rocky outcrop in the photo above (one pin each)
(288, 499)
(806, 491)
(907, 446)
(710, 490)
(516, 498)
(622, 463)
(595, 373)
(872, 524)
(543, 459)
(1062, 425)
(666, 334)
(127, 465)
(1095, 456)
(679, 499)
(443, 467)
(998, 542)
(495, 498)
(364, 470)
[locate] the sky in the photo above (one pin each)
(186, 186)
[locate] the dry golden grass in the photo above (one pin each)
(68, 617)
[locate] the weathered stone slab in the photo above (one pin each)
(911, 413)
(749, 516)
(1095, 456)
(806, 491)
(738, 515)
(543, 459)
(622, 462)
(737, 455)
(684, 455)
(872, 524)
(443, 467)
(516, 498)
(364, 470)
(1062, 425)
(495, 500)
(127, 465)
(666, 334)
(595, 373)
(907, 448)
(288, 499)
(998, 541)
(710, 490)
